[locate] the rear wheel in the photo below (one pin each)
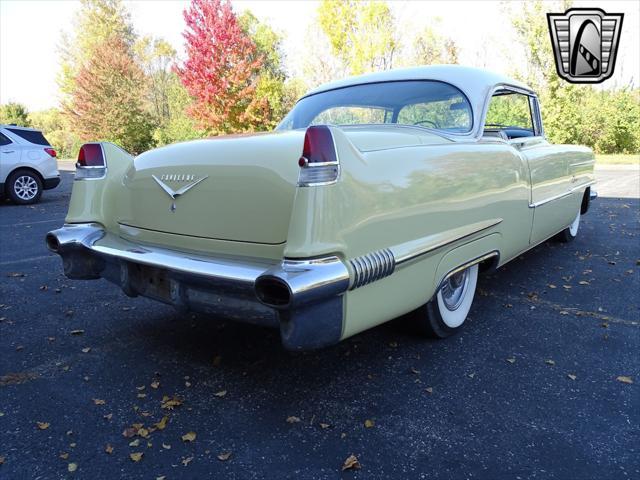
(571, 232)
(24, 187)
(447, 311)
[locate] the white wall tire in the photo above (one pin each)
(571, 232)
(446, 313)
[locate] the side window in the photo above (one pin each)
(452, 114)
(4, 140)
(510, 113)
(343, 115)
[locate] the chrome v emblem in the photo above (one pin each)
(174, 194)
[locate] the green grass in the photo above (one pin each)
(620, 159)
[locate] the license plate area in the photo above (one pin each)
(150, 281)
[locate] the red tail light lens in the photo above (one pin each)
(90, 155)
(51, 152)
(319, 161)
(318, 146)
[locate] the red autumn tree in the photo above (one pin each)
(221, 70)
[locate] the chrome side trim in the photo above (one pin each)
(583, 185)
(586, 162)
(593, 195)
(470, 263)
(562, 195)
(409, 251)
(372, 267)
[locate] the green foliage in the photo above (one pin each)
(107, 102)
(179, 126)
(361, 34)
(13, 112)
(271, 80)
(55, 128)
(431, 47)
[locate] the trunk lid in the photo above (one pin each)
(236, 188)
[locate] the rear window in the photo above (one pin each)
(424, 103)
(32, 136)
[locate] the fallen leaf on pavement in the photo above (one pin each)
(143, 432)
(108, 448)
(64, 455)
(221, 393)
(162, 424)
(72, 467)
(224, 456)
(351, 463)
(98, 401)
(293, 419)
(1, 459)
(78, 331)
(511, 360)
(324, 425)
(86, 349)
(135, 443)
(429, 389)
(166, 447)
(369, 423)
(572, 377)
(42, 425)
(548, 361)
(136, 456)
(155, 385)
(171, 403)
(625, 379)
(186, 461)
(189, 437)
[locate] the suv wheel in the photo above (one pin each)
(24, 187)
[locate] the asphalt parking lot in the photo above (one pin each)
(531, 389)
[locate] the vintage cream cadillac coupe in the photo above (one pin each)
(376, 196)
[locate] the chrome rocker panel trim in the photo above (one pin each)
(229, 286)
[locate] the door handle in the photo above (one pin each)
(8, 151)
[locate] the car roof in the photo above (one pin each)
(475, 83)
(20, 128)
(467, 79)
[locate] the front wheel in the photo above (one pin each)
(447, 311)
(571, 232)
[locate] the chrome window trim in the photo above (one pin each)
(511, 88)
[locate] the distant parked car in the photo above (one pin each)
(27, 164)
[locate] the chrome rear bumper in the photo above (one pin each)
(304, 298)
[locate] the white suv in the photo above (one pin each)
(27, 164)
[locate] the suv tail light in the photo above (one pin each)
(319, 161)
(51, 152)
(90, 162)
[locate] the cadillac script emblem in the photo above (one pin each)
(585, 43)
(177, 178)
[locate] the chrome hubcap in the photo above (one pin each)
(25, 187)
(453, 290)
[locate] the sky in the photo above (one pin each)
(30, 32)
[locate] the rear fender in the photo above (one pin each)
(91, 198)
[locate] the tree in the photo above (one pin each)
(53, 125)
(107, 102)
(431, 47)
(271, 79)
(94, 22)
(361, 34)
(156, 58)
(16, 113)
(222, 69)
